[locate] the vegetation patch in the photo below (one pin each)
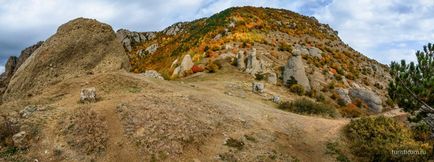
(231, 142)
(309, 107)
(384, 139)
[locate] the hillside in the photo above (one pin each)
(329, 67)
(223, 80)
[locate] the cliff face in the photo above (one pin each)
(79, 47)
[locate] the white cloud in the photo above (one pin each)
(370, 26)
(367, 25)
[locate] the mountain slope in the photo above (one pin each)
(263, 41)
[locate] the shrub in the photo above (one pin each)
(306, 106)
(421, 132)
(374, 138)
(7, 130)
(285, 47)
(351, 111)
(297, 89)
(259, 76)
(212, 67)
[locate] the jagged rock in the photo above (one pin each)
(373, 101)
(241, 61)
(272, 78)
(88, 95)
(254, 65)
(20, 140)
(14, 63)
(28, 110)
(295, 68)
(343, 94)
(129, 38)
(152, 48)
(153, 74)
(184, 68)
(258, 87)
(78, 47)
(173, 29)
(9, 71)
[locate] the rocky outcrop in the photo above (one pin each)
(373, 101)
(253, 66)
(9, 71)
(130, 39)
(14, 63)
(295, 69)
(173, 29)
(241, 64)
(78, 47)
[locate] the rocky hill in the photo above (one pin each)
(206, 90)
(269, 44)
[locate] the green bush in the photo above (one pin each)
(375, 139)
(297, 89)
(306, 106)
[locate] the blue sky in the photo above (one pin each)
(387, 30)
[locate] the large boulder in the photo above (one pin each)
(79, 47)
(372, 100)
(295, 69)
(184, 67)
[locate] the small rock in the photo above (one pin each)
(153, 74)
(276, 99)
(19, 139)
(272, 78)
(258, 87)
(27, 111)
(88, 95)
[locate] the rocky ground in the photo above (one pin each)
(138, 118)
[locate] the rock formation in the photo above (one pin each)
(79, 46)
(295, 68)
(372, 100)
(130, 39)
(14, 63)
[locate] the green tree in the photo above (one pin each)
(412, 84)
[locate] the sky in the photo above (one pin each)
(386, 30)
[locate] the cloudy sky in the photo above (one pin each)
(384, 30)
